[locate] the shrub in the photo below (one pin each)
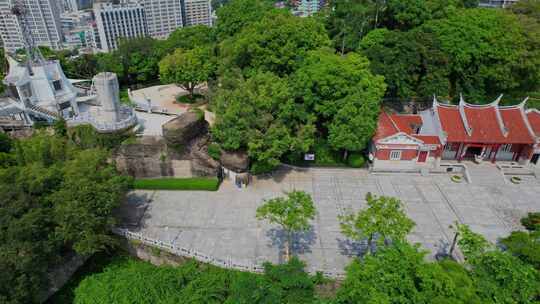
(214, 151)
(188, 99)
(199, 112)
(196, 183)
(356, 160)
(456, 178)
(5, 142)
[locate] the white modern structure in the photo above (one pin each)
(43, 21)
(497, 3)
(197, 12)
(124, 20)
(163, 17)
(38, 90)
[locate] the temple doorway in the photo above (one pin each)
(473, 151)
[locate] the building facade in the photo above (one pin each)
(197, 12)
(124, 20)
(496, 3)
(304, 8)
(456, 132)
(43, 20)
(163, 17)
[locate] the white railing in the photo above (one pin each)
(101, 126)
(227, 263)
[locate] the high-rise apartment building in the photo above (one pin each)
(43, 21)
(162, 17)
(197, 12)
(126, 19)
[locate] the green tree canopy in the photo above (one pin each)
(260, 116)
(399, 274)
(292, 213)
(383, 219)
(276, 43)
(54, 199)
(188, 38)
(238, 14)
(187, 68)
(344, 95)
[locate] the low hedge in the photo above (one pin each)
(195, 183)
(356, 160)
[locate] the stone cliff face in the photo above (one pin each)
(181, 152)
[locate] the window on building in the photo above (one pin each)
(506, 148)
(57, 85)
(449, 147)
(395, 155)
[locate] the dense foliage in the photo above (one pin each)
(129, 281)
(54, 199)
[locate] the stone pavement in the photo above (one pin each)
(222, 224)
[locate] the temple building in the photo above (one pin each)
(464, 131)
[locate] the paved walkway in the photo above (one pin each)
(222, 224)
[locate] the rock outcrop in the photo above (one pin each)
(238, 161)
(181, 152)
(181, 130)
(145, 157)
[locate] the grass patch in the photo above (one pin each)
(195, 183)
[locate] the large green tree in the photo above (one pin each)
(293, 213)
(276, 43)
(400, 274)
(238, 14)
(412, 63)
(135, 61)
(383, 220)
(188, 38)
(187, 68)
(259, 115)
(344, 95)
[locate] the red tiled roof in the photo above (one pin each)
(484, 124)
(390, 124)
(514, 121)
(451, 123)
(385, 126)
(405, 122)
(534, 121)
(428, 139)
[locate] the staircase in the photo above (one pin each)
(41, 112)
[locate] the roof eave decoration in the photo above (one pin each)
(526, 119)
(504, 129)
(443, 136)
(461, 108)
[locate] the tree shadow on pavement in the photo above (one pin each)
(301, 242)
(352, 248)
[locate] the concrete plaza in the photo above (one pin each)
(222, 224)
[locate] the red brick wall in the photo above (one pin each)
(384, 154)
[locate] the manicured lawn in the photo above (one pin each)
(196, 183)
